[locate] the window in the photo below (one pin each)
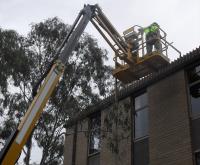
(141, 130)
(141, 152)
(94, 140)
(194, 91)
(194, 87)
(141, 116)
(197, 158)
(94, 159)
(141, 101)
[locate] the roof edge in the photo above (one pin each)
(175, 66)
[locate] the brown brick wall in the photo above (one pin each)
(170, 140)
(169, 130)
(82, 143)
(107, 157)
(68, 148)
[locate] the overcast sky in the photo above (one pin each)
(179, 18)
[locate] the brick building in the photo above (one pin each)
(161, 113)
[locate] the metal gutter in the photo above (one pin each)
(183, 62)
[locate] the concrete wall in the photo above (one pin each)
(170, 140)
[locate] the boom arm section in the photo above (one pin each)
(12, 149)
(11, 152)
(109, 33)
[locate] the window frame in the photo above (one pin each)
(134, 113)
(190, 111)
(92, 155)
(195, 157)
(89, 135)
(141, 140)
(133, 137)
(189, 85)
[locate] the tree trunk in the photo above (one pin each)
(29, 147)
(43, 158)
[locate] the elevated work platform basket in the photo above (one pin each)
(145, 65)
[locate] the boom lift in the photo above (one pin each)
(139, 63)
(132, 67)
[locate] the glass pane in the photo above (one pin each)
(141, 152)
(141, 101)
(94, 142)
(197, 158)
(95, 121)
(195, 127)
(194, 74)
(94, 159)
(197, 69)
(95, 132)
(195, 99)
(141, 123)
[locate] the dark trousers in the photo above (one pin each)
(153, 41)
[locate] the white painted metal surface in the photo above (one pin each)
(36, 108)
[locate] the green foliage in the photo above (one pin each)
(117, 123)
(15, 68)
(8, 126)
(85, 72)
(13, 61)
(23, 61)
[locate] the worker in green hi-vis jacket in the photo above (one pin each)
(152, 34)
